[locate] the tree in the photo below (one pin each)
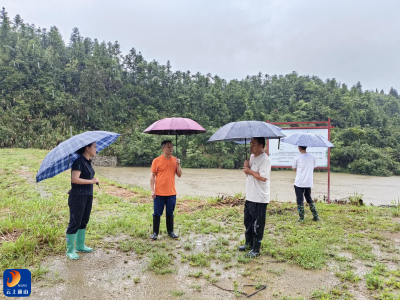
(5, 28)
(393, 93)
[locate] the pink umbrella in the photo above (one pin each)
(175, 126)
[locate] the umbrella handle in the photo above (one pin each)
(245, 147)
(176, 142)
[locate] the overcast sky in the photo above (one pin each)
(350, 40)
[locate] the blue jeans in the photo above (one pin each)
(160, 202)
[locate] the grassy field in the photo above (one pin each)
(34, 217)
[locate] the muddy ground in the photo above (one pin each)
(109, 273)
(106, 274)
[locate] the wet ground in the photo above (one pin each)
(213, 182)
(106, 274)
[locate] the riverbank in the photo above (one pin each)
(352, 253)
(214, 182)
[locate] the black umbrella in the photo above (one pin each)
(243, 131)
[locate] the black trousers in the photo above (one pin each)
(80, 207)
(302, 192)
(254, 220)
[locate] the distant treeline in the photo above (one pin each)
(47, 86)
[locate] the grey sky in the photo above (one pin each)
(353, 40)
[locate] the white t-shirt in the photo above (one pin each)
(304, 165)
(257, 190)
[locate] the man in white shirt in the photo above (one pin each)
(258, 171)
(304, 165)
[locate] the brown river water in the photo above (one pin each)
(214, 182)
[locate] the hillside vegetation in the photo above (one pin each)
(48, 85)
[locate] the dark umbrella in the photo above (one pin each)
(175, 126)
(244, 130)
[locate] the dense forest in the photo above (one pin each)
(46, 86)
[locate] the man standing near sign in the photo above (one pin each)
(258, 171)
(304, 165)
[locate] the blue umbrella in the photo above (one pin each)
(307, 140)
(243, 131)
(61, 158)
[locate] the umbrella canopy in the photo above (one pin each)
(307, 140)
(175, 126)
(246, 130)
(61, 158)
(243, 131)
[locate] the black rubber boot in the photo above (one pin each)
(156, 227)
(248, 245)
(314, 212)
(256, 249)
(170, 227)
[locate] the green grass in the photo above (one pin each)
(386, 295)
(138, 246)
(187, 246)
(348, 276)
(159, 261)
(381, 278)
(334, 294)
(196, 287)
(199, 259)
(196, 274)
(177, 293)
(31, 225)
(275, 271)
(374, 282)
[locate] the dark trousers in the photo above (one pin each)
(80, 207)
(302, 192)
(168, 201)
(254, 220)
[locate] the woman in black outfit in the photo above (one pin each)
(80, 200)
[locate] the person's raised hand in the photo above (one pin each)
(178, 161)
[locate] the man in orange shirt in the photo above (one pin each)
(162, 184)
